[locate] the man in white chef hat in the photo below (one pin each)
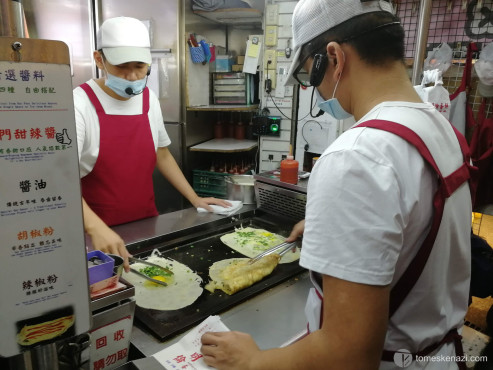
(386, 242)
(121, 137)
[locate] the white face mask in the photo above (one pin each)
(123, 87)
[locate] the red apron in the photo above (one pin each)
(447, 187)
(482, 154)
(461, 114)
(119, 189)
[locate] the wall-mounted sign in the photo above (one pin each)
(43, 271)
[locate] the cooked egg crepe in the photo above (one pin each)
(251, 242)
(234, 274)
(182, 290)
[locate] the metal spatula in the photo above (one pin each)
(278, 249)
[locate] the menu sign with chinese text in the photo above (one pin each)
(43, 271)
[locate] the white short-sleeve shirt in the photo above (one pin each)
(87, 121)
(368, 211)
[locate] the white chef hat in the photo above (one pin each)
(123, 40)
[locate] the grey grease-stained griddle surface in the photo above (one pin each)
(199, 255)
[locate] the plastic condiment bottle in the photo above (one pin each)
(289, 170)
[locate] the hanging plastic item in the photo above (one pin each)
(435, 94)
(484, 70)
(461, 114)
(439, 58)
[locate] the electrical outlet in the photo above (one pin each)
(270, 55)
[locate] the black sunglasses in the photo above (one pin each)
(310, 49)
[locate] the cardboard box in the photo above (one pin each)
(237, 68)
(240, 59)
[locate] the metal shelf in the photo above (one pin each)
(226, 145)
(225, 108)
(233, 16)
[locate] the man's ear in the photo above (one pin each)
(98, 58)
(336, 58)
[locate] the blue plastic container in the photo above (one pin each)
(102, 271)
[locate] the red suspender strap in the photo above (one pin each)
(92, 97)
(446, 187)
(145, 101)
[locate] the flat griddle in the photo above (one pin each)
(199, 254)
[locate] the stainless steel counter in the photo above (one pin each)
(169, 225)
(274, 317)
(273, 178)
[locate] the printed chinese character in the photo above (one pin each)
(22, 235)
(110, 359)
(99, 364)
(35, 233)
(36, 133)
(6, 133)
(101, 342)
(48, 230)
(25, 186)
(10, 75)
(52, 279)
(38, 75)
(195, 356)
(27, 285)
(39, 184)
(50, 132)
(20, 133)
(39, 281)
(180, 358)
(25, 74)
(119, 335)
(122, 354)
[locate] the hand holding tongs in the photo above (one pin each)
(133, 259)
(280, 249)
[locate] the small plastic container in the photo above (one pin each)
(289, 170)
(101, 271)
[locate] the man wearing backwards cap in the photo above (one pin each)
(370, 208)
(121, 137)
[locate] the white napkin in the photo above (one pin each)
(220, 210)
(187, 351)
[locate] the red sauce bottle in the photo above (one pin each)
(289, 170)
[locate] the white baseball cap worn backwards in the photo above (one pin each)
(311, 18)
(123, 40)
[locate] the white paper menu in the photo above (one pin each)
(43, 270)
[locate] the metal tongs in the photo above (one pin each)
(279, 249)
(133, 259)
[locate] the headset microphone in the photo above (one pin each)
(129, 91)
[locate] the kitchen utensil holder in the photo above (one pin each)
(197, 54)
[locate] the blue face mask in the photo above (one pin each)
(332, 106)
(122, 86)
